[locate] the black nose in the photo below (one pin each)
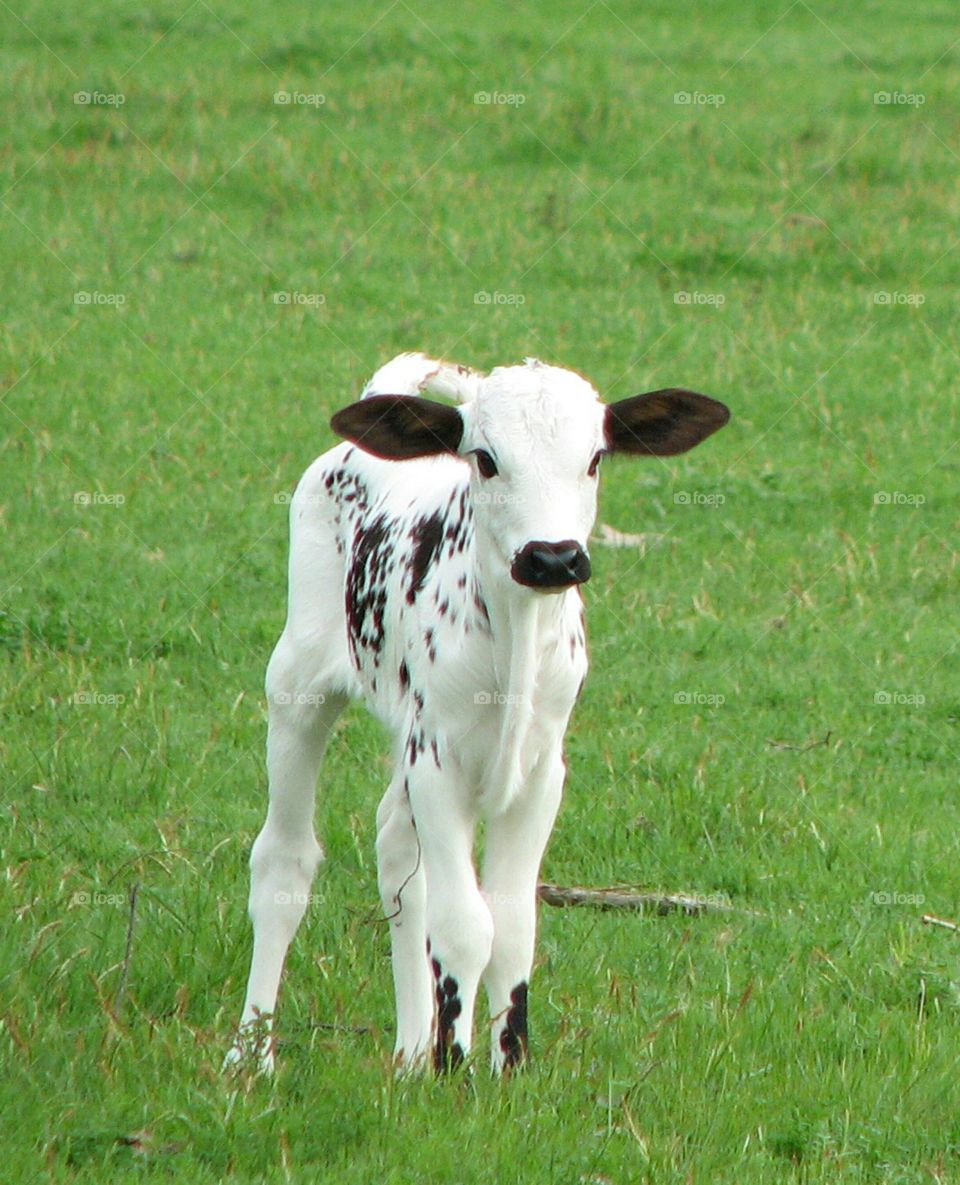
(551, 565)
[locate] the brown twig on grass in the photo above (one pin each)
(928, 919)
(128, 951)
(627, 898)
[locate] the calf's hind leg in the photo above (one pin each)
(285, 854)
(403, 893)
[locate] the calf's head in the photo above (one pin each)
(534, 436)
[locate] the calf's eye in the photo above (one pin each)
(485, 463)
(595, 464)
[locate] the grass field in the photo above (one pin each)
(756, 200)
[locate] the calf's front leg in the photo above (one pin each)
(516, 841)
(459, 923)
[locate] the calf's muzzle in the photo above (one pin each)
(551, 566)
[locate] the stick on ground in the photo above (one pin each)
(928, 919)
(125, 973)
(627, 898)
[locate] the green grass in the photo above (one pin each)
(812, 1037)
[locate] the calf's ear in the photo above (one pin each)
(400, 427)
(662, 423)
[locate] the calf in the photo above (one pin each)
(435, 558)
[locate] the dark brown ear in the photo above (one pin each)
(400, 427)
(662, 423)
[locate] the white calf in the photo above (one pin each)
(433, 571)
